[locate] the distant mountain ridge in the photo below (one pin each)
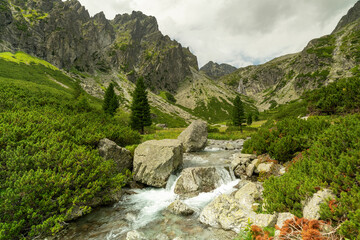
(322, 61)
(215, 70)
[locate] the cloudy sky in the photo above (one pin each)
(237, 32)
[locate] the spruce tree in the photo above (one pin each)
(111, 102)
(238, 113)
(249, 119)
(140, 108)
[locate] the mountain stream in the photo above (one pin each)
(145, 209)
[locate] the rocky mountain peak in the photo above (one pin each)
(64, 34)
(215, 70)
(352, 15)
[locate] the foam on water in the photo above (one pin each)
(203, 199)
(148, 203)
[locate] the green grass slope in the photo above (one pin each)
(49, 163)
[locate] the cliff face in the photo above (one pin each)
(215, 70)
(352, 15)
(323, 60)
(64, 34)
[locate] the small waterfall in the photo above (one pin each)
(226, 175)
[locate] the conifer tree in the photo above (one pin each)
(249, 119)
(111, 102)
(238, 113)
(140, 108)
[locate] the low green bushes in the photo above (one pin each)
(332, 161)
(342, 96)
(285, 138)
(49, 162)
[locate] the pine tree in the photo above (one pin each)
(238, 113)
(140, 108)
(249, 119)
(111, 102)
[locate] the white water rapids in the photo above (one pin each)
(144, 210)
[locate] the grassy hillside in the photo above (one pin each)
(49, 164)
(209, 100)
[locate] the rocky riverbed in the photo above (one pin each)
(209, 194)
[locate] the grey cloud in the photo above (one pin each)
(238, 32)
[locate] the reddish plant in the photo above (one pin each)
(260, 234)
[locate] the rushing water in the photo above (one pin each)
(144, 210)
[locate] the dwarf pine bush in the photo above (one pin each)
(49, 162)
(285, 138)
(332, 161)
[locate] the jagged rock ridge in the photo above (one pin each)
(352, 15)
(215, 70)
(64, 34)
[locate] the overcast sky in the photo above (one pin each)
(237, 32)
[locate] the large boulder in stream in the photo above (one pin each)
(194, 137)
(232, 212)
(154, 161)
(109, 150)
(195, 180)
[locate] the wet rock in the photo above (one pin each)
(109, 150)
(154, 161)
(135, 235)
(264, 168)
(224, 144)
(312, 206)
(194, 137)
(180, 208)
(193, 181)
(130, 217)
(136, 185)
(282, 217)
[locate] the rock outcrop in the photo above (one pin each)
(64, 34)
(226, 212)
(352, 15)
(109, 150)
(312, 206)
(215, 70)
(194, 137)
(232, 212)
(154, 161)
(193, 181)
